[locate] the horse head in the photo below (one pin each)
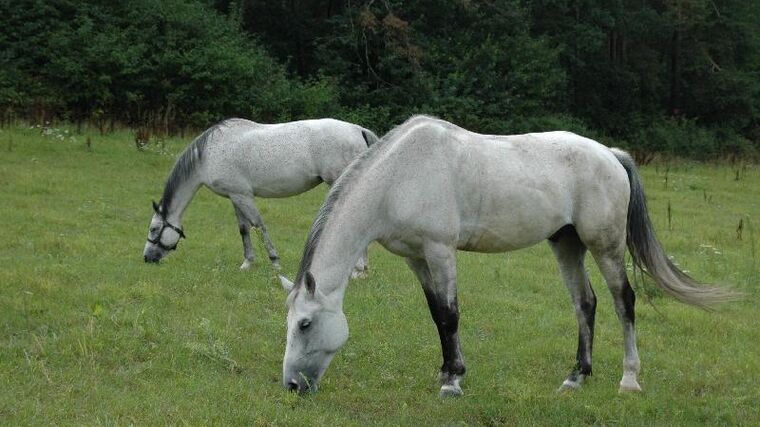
(317, 329)
(162, 235)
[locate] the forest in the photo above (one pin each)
(672, 77)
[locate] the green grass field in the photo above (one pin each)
(89, 334)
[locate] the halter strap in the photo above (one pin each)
(157, 240)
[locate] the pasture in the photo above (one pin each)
(89, 334)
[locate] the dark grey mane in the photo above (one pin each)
(189, 160)
(349, 175)
(324, 212)
(185, 166)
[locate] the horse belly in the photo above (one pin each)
(264, 163)
(260, 181)
(278, 186)
(492, 240)
(279, 173)
(512, 221)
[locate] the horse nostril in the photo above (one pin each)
(292, 385)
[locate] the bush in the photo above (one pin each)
(680, 137)
(163, 64)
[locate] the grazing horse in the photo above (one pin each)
(240, 160)
(430, 188)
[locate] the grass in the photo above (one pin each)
(89, 334)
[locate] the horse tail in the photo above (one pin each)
(648, 254)
(369, 137)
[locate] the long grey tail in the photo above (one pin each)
(369, 137)
(649, 255)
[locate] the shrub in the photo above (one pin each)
(680, 137)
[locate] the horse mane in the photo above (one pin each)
(190, 159)
(326, 209)
(337, 190)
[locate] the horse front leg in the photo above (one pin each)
(437, 274)
(248, 209)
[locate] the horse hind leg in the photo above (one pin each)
(249, 211)
(570, 253)
(612, 266)
(245, 234)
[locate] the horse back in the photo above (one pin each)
(497, 193)
(280, 160)
(521, 189)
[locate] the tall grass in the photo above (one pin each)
(89, 334)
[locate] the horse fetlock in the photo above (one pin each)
(446, 376)
(631, 366)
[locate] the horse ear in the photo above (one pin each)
(155, 206)
(286, 284)
(311, 284)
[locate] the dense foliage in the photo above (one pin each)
(676, 76)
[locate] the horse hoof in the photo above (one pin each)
(448, 390)
(569, 386)
(629, 386)
(245, 265)
(362, 274)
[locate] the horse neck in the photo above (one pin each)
(345, 236)
(183, 194)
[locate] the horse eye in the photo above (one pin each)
(153, 229)
(304, 324)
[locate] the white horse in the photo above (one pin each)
(240, 160)
(430, 188)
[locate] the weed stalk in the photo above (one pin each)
(751, 231)
(670, 217)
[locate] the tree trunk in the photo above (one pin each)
(675, 73)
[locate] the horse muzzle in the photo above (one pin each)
(152, 254)
(302, 385)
